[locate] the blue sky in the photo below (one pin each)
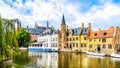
(100, 13)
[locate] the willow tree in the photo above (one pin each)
(8, 42)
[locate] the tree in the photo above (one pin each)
(23, 38)
(8, 42)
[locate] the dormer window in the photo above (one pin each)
(76, 31)
(104, 33)
(95, 34)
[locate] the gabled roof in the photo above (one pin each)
(34, 30)
(102, 33)
(78, 31)
(49, 32)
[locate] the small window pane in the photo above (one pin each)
(103, 46)
(90, 46)
(109, 46)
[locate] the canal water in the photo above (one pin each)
(28, 59)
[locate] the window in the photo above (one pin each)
(85, 45)
(103, 46)
(103, 40)
(104, 33)
(73, 45)
(81, 45)
(52, 39)
(95, 34)
(51, 44)
(76, 44)
(99, 40)
(94, 40)
(67, 44)
(76, 38)
(56, 45)
(109, 46)
(73, 39)
(67, 39)
(70, 39)
(85, 38)
(90, 40)
(76, 31)
(90, 46)
(56, 38)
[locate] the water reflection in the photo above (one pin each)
(43, 59)
(60, 60)
(77, 60)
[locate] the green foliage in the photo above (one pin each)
(23, 38)
(8, 42)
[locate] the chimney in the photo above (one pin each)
(82, 25)
(99, 29)
(89, 26)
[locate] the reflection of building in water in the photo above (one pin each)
(75, 60)
(99, 62)
(71, 60)
(43, 59)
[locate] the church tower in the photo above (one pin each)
(63, 33)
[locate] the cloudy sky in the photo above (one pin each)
(100, 13)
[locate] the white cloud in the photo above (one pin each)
(53, 10)
(104, 15)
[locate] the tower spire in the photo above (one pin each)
(63, 20)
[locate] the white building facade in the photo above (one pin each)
(49, 39)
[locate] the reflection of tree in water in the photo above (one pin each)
(21, 59)
(6, 64)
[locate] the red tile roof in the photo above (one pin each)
(102, 33)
